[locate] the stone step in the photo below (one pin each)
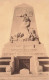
(46, 65)
(3, 66)
(43, 59)
(4, 60)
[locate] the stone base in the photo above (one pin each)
(25, 48)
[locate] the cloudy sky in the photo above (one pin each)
(41, 10)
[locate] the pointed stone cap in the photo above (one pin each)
(24, 5)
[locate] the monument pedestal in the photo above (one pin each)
(24, 56)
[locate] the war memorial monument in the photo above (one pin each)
(24, 51)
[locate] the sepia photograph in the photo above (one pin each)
(24, 39)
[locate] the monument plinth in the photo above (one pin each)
(28, 48)
(24, 48)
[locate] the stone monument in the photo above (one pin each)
(24, 50)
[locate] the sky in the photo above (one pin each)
(41, 10)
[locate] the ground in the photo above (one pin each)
(4, 76)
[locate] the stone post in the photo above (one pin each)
(34, 65)
(12, 64)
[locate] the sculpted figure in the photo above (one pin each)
(26, 20)
(31, 35)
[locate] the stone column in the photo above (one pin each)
(34, 65)
(12, 64)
